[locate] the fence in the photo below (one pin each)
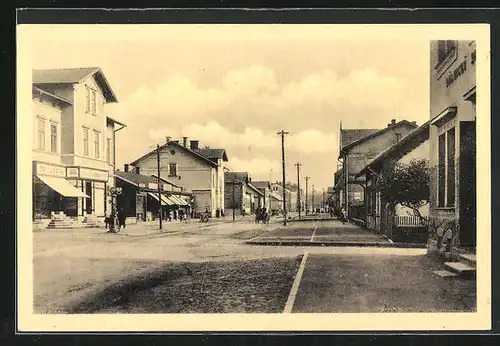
(409, 221)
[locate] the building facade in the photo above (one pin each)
(357, 148)
(74, 143)
(235, 193)
(199, 170)
(452, 225)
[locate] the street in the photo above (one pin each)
(212, 268)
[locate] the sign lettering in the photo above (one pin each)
(55, 171)
(92, 174)
(72, 172)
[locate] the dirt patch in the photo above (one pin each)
(211, 287)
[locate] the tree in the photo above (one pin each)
(406, 184)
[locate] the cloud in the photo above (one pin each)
(258, 168)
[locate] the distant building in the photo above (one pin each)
(452, 226)
(200, 170)
(357, 148)
(73, 147)
(265, 189)
(235, 193)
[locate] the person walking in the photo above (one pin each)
(343, 215)
(121, 219)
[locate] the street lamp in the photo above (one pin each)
(114, 192)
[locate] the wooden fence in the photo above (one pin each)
(409, 221)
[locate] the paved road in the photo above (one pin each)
(71, 264)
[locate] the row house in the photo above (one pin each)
(201, 170)
(357, 148)
(395, 221)
(74, 145)
(452, 226)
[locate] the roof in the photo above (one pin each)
(74, 75)
(210, 153)
(402, 147)
(240, 177)
(261, 184)
(135, 178)
(350, 136)
(254, 188)
(177, 145)
(330, 189)
(59, 98)
(165, 180)
(374, 134)
(116, 121)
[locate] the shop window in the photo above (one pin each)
(446, 169)
(445, 48)
(85, 142)
(53, 138)
(41, 134)
(173, 170)
(96, 144)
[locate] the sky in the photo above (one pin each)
(235, 86)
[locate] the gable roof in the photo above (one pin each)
(58, 98)
(350, 136)
(210, 153)
(240, 177)
(74, 75)
(176, 145)
(400, 148)
(375, 134)
(261, 184)
(254, 188)
(165, 180)
(134, 178)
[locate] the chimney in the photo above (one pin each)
(194, 144)
(184, 141)
(125, 168)
(414, 122)
(137, 170)
(393, 121)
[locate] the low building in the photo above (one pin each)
(73, 147)
(265, 189)
(452, 226)
(199, 170)
(235, 193)
(254, 196)
(399, 224)
(357, 148)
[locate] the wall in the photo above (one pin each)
(441, 97)
(44, 109)
(420, 152)
(238, 196)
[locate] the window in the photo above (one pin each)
(87, 100)
(53, 138)
(445, 48)
(94, 104)
(90, 101)
(108, 150)
(41, 134)
(85, 142)
(446, 169)
(96, 144)
(173, 170)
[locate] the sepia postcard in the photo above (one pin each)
(253, 177)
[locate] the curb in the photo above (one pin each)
(336, 244)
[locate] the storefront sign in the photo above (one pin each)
(142, 185)
(47, 169)
(72, 172)
(92, 174)
(99, 185)
(453, 76)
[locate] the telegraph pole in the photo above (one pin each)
(234, 205)
(312, 197)
(307, 184)
(323, 201)
(282, 133)
(298, 186)
(159, 188)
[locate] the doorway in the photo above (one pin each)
(467, 183)
(88, 201)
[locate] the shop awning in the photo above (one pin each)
(179, 200)
(166, 200)
(62, 186)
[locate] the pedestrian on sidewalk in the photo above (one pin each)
(121, 219)
(343, 215)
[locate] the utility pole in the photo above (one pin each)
(323, 200)
(282, 134)
(234, 204)
(159, 188)
(307, 185)
(298, 187)
(312, 197)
